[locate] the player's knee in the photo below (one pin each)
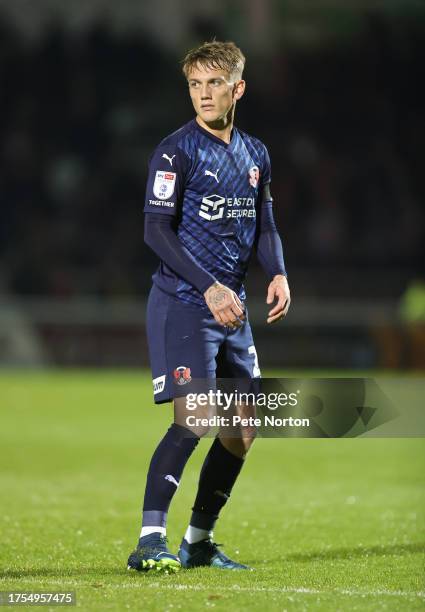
(239, 446)
(248, 436)
(246, 427)
(200, 420)
(194, 427)
(199, 430)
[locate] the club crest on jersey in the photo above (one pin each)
(182, 375)
(163, 186)
(254, 176)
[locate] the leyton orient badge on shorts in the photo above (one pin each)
(182, 375)
(163, 186)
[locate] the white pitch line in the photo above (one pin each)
(233, 589)
(237, 588)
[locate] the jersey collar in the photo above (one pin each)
(214, 138)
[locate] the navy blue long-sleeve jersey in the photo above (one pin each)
(214, 190)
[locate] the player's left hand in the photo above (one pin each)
(278, 290)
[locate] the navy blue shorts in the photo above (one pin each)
(185, 343)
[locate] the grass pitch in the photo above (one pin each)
(327, 524)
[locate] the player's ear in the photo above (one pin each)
(239, 89)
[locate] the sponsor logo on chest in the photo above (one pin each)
(216, 207)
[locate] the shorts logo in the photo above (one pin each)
(182, 375)
(158, 384)
(163, 186)
(212, 207)
(254, 176)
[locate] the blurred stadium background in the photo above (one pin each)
(87, 89)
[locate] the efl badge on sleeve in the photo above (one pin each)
(254, 176)
(163, 186)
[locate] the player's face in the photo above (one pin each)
(213, 94)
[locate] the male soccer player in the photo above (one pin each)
(208, 204)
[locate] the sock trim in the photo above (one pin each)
(151, 518)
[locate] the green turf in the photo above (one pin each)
(328, 524)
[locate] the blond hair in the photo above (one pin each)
(215, 55)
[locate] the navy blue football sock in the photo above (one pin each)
(218, 475)
(165, 470)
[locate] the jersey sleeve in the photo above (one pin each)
(268, 242)
(168, 169)
(163, 240)
(266, 174)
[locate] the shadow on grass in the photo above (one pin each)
(358, 552)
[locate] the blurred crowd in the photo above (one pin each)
(80, 115)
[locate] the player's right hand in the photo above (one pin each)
(225, 306)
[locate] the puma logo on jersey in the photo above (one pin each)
(209, 173)
(171, 478)
(170, 159)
